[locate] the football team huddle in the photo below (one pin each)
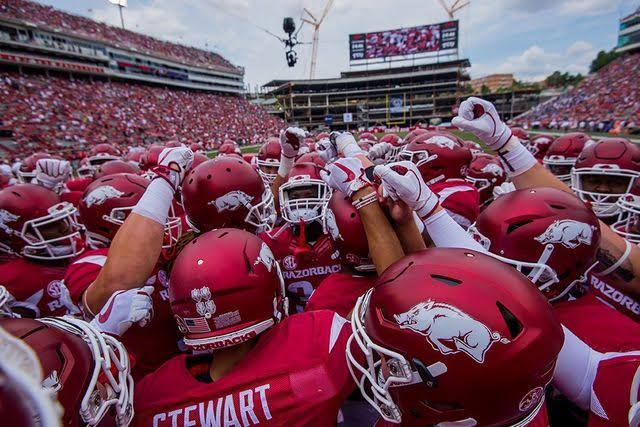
(326, 280)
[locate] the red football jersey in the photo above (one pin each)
(296, 375)
(339, 292)
(152, 345)
(37, 287)
(608, 290)
(600, 326)
(460, 198)
(612, 389)
(304, 265)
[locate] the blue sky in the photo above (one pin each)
(530, 38)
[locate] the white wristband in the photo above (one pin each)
(446, 233)
(516, 158)
(286, 164)
(156, 201)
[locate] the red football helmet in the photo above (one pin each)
(392, 139)
(36, 224)
(442, 324)
(27, 170)
(312, 158)
(5, 181)
(102, 153)
(228, 148)
(89, 370)
(604, 172)
(84, 169)
(269, 160)
(414, 134)
(196, 147)
(549, 235)
(460, 199)
(106, 203)
(563, 153)
(473, 146)
(227, 192)
(438, 156)
(628, 223)
(305, 195)
(342, 222)
(150, 158)
(26, 402)
(115, 166)
(198, 159)
(485, 172)
(365, 145)
(539, 145)
(321, 136)
(225, 289)
(522, 135)
(134, 155)
(368, 136)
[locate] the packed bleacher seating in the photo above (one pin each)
(71, 24)
(53, 112)
(607, 101)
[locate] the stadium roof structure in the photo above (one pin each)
(352, 79)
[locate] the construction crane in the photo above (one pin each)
(456, 6)
(311, 20)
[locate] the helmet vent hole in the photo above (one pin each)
(513, 324)
(559, 207)
(442, 406)
(513, 227)
(190, 180)
(446, 280)
(223, 234)
(228, 169)
(353, 215)
(209, 176)
(15, 193)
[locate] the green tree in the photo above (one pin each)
(485, 90)
(603, 58)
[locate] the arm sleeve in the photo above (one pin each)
(446, 233)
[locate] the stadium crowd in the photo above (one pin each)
(327, 280)
(606, 101)
(66, 114)
(55, 19)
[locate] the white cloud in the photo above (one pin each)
(536, 62)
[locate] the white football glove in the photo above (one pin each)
(502, 189)
(326, 150)
(379, 151)
(403, 181)
(345, 144)
(480, 117)
(173, 164)
(346, 175)
(123, 309)
(52, 173)
(291, 140)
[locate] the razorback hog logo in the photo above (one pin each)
(568, 232)
(101, 194)
(6, 217)
(266, 258)
(449, 330)
(232, 201)
(442, 141)
(493, 169)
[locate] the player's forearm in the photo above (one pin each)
(135, 248)
(275, 190)
(619, 259)
(539, 176)
(410, 237)
(384, 245)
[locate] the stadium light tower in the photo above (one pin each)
(121, 5)
(316, 33)
(456, 6)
